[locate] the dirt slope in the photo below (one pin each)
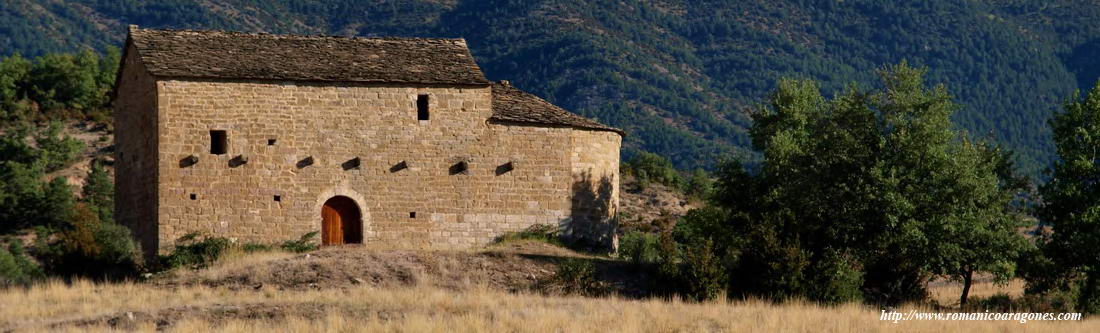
(514, 266)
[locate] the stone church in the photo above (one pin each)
(393, 141)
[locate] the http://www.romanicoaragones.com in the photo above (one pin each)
(1022, 317)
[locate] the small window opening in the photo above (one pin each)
(422, 107)
(218, 142)
(278, 198)
(412, 215)
(194, 197)
(270, 142)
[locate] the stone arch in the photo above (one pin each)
(342, 191)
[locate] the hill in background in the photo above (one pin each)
(677, 75)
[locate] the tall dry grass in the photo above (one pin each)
(57, 306)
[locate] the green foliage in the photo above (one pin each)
(577, 276)
(303, 244)
(698, 185)
(1072, 197)
(56, 86)
(92, 248)
(640, 247)
(545, 233)
(702, 273)
(194, 250)
(256, 247)
(838, 278)
(15, 267)
(652, 168)
(862, 196)
(99, 192)
(54, 150)
(26, 200)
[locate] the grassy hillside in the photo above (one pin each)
(678, 75)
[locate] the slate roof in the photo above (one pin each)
(513, 105)
(236, 55)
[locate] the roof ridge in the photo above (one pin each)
(135, 28)
(266, 56)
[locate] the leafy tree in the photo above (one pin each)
(1072, 196)
(699, 184)
(648, 167)
(867, 193)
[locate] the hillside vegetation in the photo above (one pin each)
(676, 74)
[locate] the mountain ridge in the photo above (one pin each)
(678, 76)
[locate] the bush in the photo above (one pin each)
(93, 248)
(702, 275)
(836, 278)
(256, 247)
(302, 244)
(698, 185)
(640, 247)
(577, 276)
(649, 167)
(539, 232)
(770, 268)
(192, 252)
(15, 267)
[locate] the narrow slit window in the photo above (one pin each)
(422, 107)
(278, 198)
(193, 196)
(270, 142)
(412, 215)
(219, 142)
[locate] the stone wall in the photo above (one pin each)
(136, 151)
(517, 176)
(594, 162)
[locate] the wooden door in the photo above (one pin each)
(332, 231)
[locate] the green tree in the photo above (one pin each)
(1072, 196)
(698, 185)
(652, 168)
(874, 188)
(99, 192)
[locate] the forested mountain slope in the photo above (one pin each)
(678, 75)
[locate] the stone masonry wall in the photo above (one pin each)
(136, 151)
(234, 194)
(594, 159)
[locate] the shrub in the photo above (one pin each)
(192, 252)
(302, 244)
(640, 247)
(649, 167)
(577, 276)
(836, 278)
(769, 268)
(15, 267)
(698, 185)
(702, 276)
(93, 248)
(256, 247)
(668, 269)
(539, 232)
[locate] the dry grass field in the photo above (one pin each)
(128, 306)
(427, 306)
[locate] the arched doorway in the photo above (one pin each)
(341, 222)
